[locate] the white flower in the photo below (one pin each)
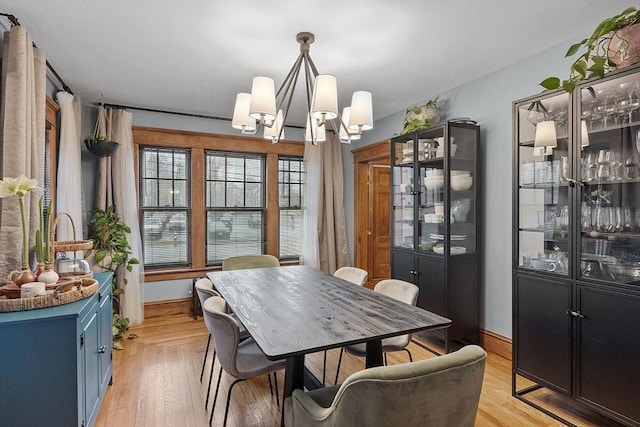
(19, 186)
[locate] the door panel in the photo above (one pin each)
(543, 331)
(379, 263)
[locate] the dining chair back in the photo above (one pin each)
(401, 291)
(440, 391)
(354, 275)
(241, 262)
(240, 359)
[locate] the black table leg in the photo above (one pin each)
(374, 353)
(293, 379)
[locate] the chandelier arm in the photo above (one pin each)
(309, 90)
(288, 78)
(311, 64)
(293, 81)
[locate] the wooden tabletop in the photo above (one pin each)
(298, 310)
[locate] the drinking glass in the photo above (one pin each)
(617, 222)
(585, 214)
(627, 215)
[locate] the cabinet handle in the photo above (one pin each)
(575, 314)
(102, 349)
(415, 273)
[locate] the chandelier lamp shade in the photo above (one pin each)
(266, 108)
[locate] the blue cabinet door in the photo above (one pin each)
(91, 345)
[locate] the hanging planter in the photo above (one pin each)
(101, 146)
(97, 142)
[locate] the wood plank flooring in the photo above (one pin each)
(156, 382)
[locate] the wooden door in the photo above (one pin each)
(379, 238)
(372, 211)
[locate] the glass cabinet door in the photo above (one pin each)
(463, 200)
(545, 171)
(609, 174)
(431, 197)
(403, 193)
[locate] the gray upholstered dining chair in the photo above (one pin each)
(357, 276)
(241, 262)
(204, 289)
(397, 289)
(240, 359)
(442, 391)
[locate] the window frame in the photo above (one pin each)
(198, 143)
(289, 184)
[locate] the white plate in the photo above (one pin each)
(454, 250)
(453, 236)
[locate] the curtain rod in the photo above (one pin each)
(14, 21)
(179, 113)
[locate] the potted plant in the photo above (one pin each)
(421, 116)
(615, 43)
(113, 253)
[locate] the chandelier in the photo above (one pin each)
(266, 108)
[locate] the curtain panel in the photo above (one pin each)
(116, 185)
(325, 238)
(22, 138)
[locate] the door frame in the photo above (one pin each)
(362, 157)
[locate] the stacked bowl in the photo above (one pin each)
(434, 179)
(461, 180)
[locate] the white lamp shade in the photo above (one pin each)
(263, 99)
(361, 111)
(273, 132)
(584, 134)
(319, 133)
(546, 134)
(241, 119)
(344, 136)
(324, 102)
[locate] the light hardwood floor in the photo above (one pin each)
(156, 382)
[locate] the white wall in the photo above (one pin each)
(487, 100)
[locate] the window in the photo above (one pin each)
(165, 206)
(290, 189)
(235, 204)
(204, 197)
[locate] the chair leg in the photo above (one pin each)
(275, 378)
(213, 362)
(226, 411)
(324, 367)
(409, 353)
(215, 397)
(270, 386)
(204, 359)
(339, 362)
(385, 359)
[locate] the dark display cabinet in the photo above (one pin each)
(434, 221)
(576, 260)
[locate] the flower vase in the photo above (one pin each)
(49, 275)
(20, 277)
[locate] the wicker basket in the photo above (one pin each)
(66, 245)
(63, 294)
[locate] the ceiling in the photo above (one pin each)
(194, 56)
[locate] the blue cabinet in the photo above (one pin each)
(55, 363)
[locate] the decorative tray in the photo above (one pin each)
(63, 292)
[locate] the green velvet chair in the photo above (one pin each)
(241, 262)
(442, 391)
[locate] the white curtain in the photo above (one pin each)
(22, 135)
(69, 190)
(116, 185)
(325, 237)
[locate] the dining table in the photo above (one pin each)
(291, 311)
